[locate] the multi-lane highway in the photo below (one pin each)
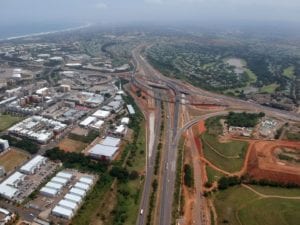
(173, 133)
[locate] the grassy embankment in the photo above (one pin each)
(6, 121)
(238, 205)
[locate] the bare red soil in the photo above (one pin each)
(263, 163)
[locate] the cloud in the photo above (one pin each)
(101, 5)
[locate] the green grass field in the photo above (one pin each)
(238, 205)
(6, 121)
(212, 175)
(266, 190)
(251, 75)
(289, 72)
(269, 89)
(230, 149)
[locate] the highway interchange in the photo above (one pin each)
(173, 132)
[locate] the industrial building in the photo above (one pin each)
(68, 204)
(103, 152)
(101, 114)
(79, 192)
(97, 125)
(38, 128)
(116, 105)
(86, 122)
(56, 184)
(33, 165)
(73, 198)
(125, 120)
(49, 192)
(9, 187)
(120, 130)
(62, 212)
(130, 109)
(111, 141)
(4, 145)
(64, 175)
(67, 207)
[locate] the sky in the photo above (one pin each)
(15, 12)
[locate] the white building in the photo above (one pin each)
(82, 186)
(9, 187)
(68, 204)
(125, 120)
(97, 125)
(86, 122)
(130, 109)
(62, 212)
(79, 192)
(33, 165)
(86, 180)
(103, 152)
(111, 141)
(54, 185)
(73, 198)
(64, 175)
(101, 114)
(4, 145)
(59, 180)
(49, 192)
(120, 130)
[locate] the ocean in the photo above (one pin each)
(16, 31)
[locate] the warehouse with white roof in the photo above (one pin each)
(54, 185)
(64, 175)
(62, 212)
(104, 152)
(68, 205)
(86, 180)
(111, 141)
(73, 198)
(9, 187)
(101, 114)
(97, 125)
(33, 165)
(130, 109)
(78, 192)
(82, 186)
(59, 180)
(86, 122)
(50, 192)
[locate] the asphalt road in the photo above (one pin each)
(173, 133)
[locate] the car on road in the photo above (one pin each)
(142, 211)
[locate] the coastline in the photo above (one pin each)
(46, 33)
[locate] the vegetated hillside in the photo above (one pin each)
(268, 74)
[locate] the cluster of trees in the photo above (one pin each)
(188, 175)
(25, 144)
(122, 174)
(77, 160)
(243, 119)
(225, 182)
(92, 135)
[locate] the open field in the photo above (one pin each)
(13, 158)
(227, 156)
(71, 145)
(267, 190)
(264, 164)
(238, 205)
(6, 121)
(289, 72)
(229, 149)
(269, 89)
(212, 175)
